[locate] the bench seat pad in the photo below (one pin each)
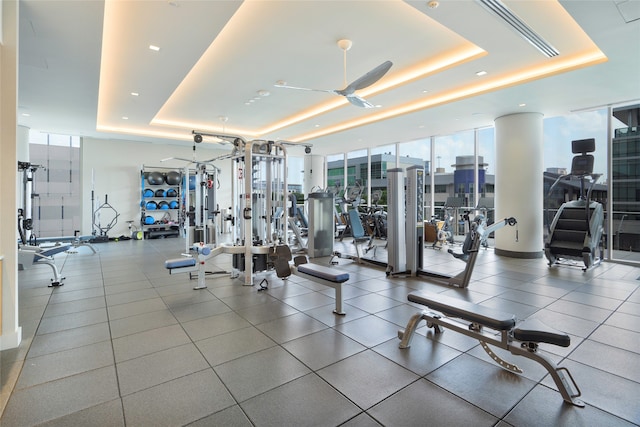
(179, 262)
(534, 330)
(471, 312)
(322, 272)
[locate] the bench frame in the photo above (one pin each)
(529, 349)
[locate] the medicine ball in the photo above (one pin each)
(163, 205)
(155, 178)
(173, 205)
(148, 192)
(160, 192)
(172, 192)
(148, 220)
(192, 182)
(172, 178)
(151, 206)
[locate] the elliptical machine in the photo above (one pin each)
(577, 228)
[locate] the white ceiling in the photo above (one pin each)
(79, 61)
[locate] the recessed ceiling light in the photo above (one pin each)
(125, 118)
(481, 73)
(247, 103)
(425, 91)
(135, 94)
(26, 114)
(263, 92)
(154, 47)
(522, 105)
(317, 126)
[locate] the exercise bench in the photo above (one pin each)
(326, 276)
(520, 340)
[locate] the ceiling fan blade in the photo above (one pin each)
(305, 88)
(359, 101)
(368, 79)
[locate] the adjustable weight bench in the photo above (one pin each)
(34, 255)
(527, 335)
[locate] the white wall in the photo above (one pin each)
(112, 168)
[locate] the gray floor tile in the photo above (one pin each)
(323, 348)
(134, 308)
(186, 313)
(72, 320)
(424, 355)
(74, 306)
(424, 402)
(256, 373)
(147, 342)
(178, 402)
(610, 393)
(369, 331)
(528, 414)
(367, 378)
(214, 325)
(306, 401)
(153, 369)
(489, 387)
(232, 345)
(373, 303)
(65, 363)
(141, 322)
(60, 397)
(230, 417)
(108, 414)
(72, 338)
(617, 361)
(291, 327)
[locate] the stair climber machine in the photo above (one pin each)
(576, 231)
(415, 234)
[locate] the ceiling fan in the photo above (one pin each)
(349, 91)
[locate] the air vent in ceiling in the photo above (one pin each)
(503, 12)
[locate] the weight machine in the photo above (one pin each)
(415, 230)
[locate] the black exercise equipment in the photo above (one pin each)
(577, 228)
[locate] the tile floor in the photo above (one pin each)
(125, 343)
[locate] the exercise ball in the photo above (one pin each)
(163, 205)
(155, 178)
(148, 192)
(148, 220)
(151, 206)
(173, 205)
(192, 182)
(160, 192)
(172, 178)
(172, 192)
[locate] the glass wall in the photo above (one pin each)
(625, 183)
(358, 177)
(460, 171)
(455, 174)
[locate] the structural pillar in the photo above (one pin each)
(313, 172)
(519, 185)
(10, 332)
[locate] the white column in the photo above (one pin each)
(519, 187)
(11, 333)
(313, 172)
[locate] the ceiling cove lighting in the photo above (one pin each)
(503, 12)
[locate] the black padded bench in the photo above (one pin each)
(450, 312)
(325, 276)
